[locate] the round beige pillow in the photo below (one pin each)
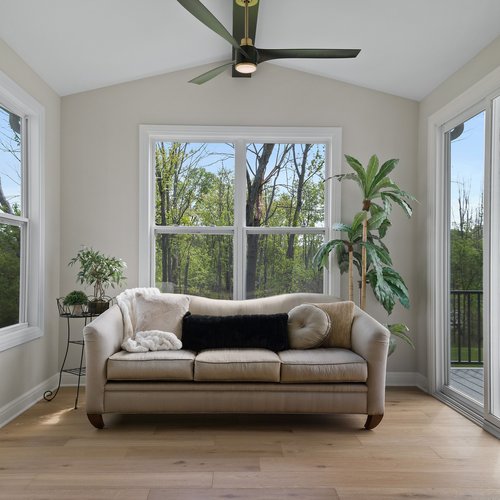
(308, 326)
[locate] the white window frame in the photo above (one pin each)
(478, 97)
(149, 135)
(32, 296)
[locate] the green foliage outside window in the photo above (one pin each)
(10, 231)
(10, 251)
(195, 187)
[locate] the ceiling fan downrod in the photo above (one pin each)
(246, 62)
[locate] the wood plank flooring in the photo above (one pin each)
(421, 449)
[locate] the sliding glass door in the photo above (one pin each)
(492, 368)
(465, 165)
(465, 270)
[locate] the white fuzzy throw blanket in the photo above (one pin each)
(151, 340)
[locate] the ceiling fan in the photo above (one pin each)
(246, 56)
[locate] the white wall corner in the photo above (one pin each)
(19, 405)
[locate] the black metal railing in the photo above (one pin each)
(466, 327)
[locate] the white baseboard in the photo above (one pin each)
(422, 382)
(406, 379)
(13, 409)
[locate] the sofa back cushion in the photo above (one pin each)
(308, 326)
(263, 305)
(262, 331)
(162, 312)
(341, 316)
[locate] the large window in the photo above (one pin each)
(21, 284)
(13, 223)
(236, 213)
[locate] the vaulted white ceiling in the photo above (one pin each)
(408, 47)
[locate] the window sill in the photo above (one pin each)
(17, 335)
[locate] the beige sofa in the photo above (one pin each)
(320, 380)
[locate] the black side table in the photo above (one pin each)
(79, 371)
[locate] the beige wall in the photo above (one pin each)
(485, 62)
(95, 194)
(24, 367)
(99, 181)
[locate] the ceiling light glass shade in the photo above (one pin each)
(246, 67)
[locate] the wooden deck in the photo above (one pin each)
(470, 381)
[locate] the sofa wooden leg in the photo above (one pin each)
(96, 420)
(372, 421)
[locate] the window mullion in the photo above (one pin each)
(239, 240)
(24, 168)
(284, 230)
(23, 288)
(193, 230)
(14, 220)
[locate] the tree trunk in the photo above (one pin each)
(252, 248)
(301, 173)
(186, 275)
(363, 264)
(351, 265)
(4, 203)
(254, 216)
(164, 242)
(164, 261)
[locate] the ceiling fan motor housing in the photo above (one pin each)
(247, 63)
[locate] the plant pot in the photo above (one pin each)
(76, 310)
(98, 306)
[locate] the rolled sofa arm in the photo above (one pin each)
(103, 337)
(370, 340)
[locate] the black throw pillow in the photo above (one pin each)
(264, 331)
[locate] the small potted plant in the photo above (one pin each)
(100, 271)
(75, 301)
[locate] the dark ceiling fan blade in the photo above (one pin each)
(269, 54)
(198, 10)
(205, 77)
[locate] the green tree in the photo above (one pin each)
(194, 188)
(187, 194)
(10, 258)
(466, 243)
(10, 235)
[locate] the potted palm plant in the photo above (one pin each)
(363, 245)
(99, 271)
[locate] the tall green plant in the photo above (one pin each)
(98, 270)
(363, 247)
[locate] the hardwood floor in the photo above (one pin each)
(421, 449)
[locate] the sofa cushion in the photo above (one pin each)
(308, 326)
(152, 365)
(322, 365)
(237, 365)
(341, 315)
(162, 312)
(255, 331)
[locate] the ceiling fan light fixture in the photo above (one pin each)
(246, 61)
(245, 67)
